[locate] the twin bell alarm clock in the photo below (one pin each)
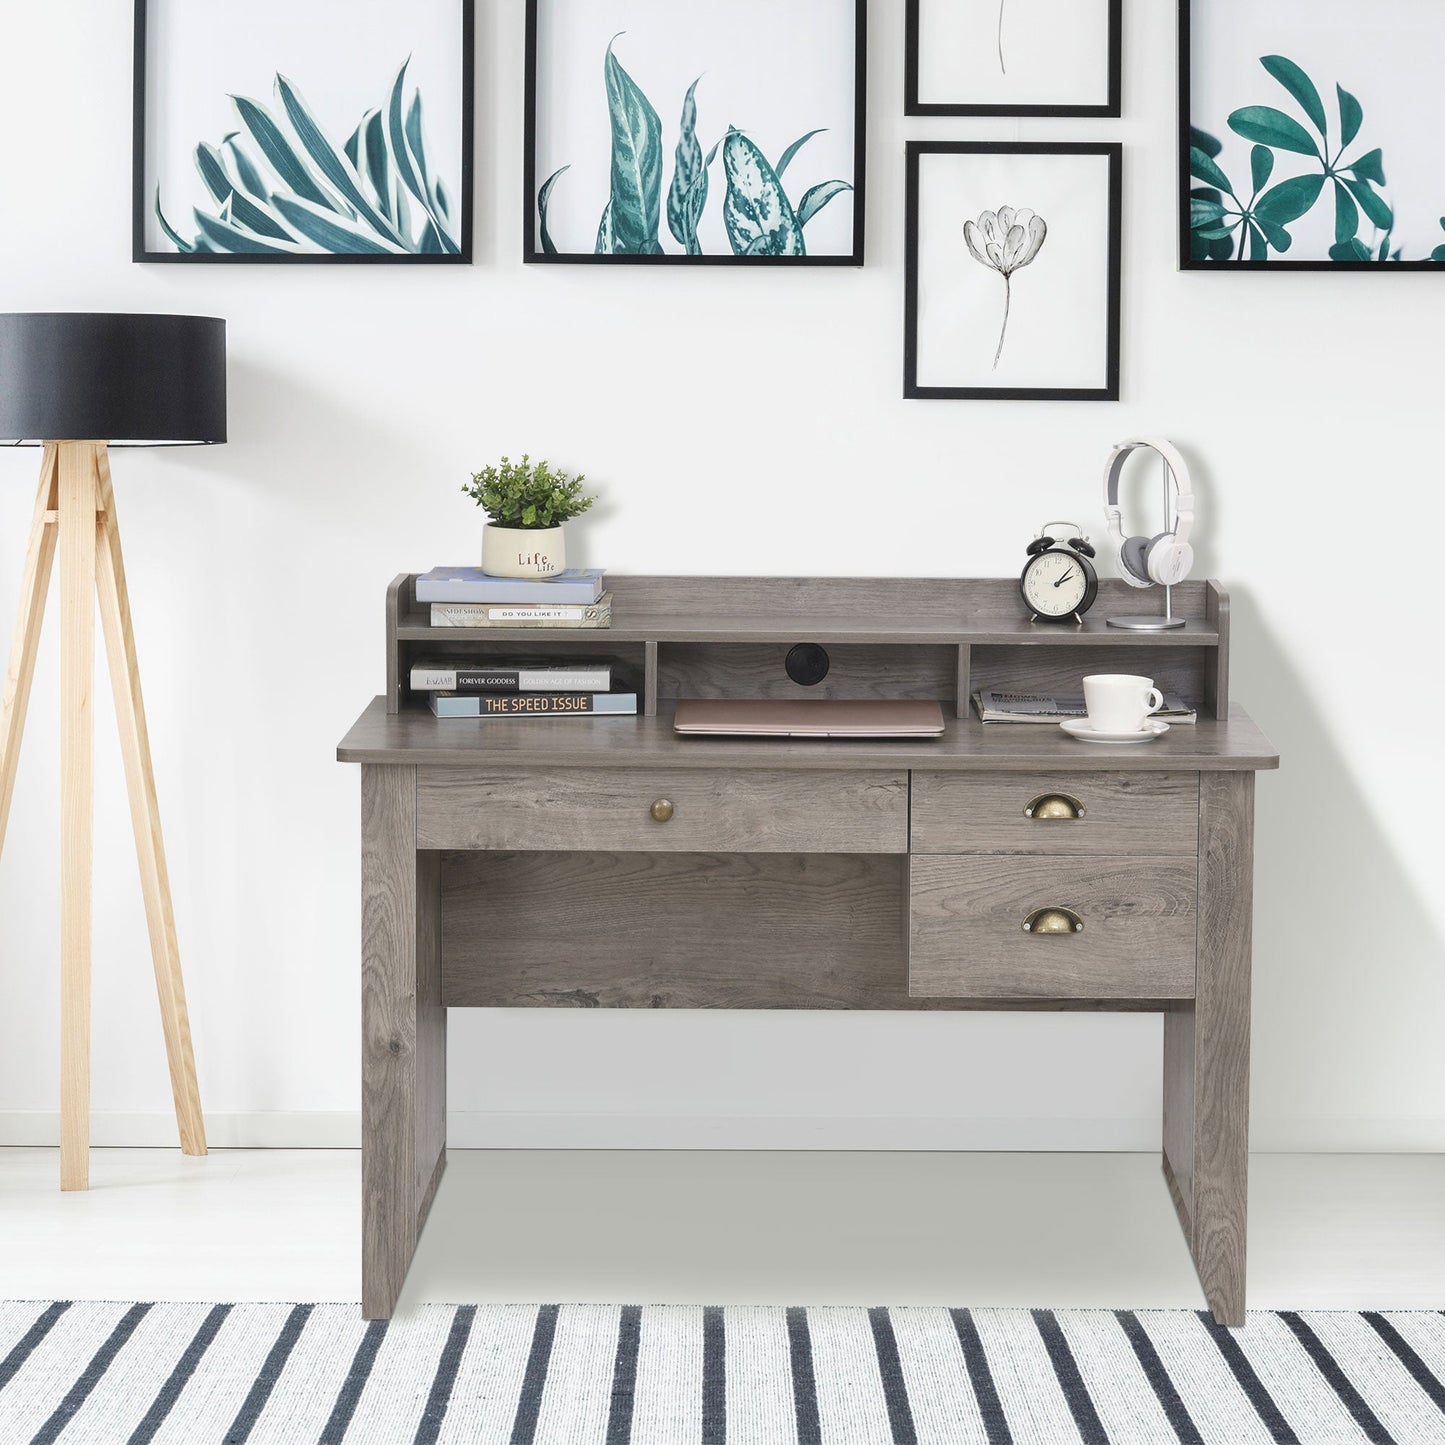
(1059, 583)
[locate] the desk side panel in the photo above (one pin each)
(403, 1065)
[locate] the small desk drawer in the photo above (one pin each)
(966, 934)
(689, 810)
(1056, 814)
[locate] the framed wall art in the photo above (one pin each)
(1312, 134)
(1013, 57)
(716, 132)
(1012, 271)
(303, 130)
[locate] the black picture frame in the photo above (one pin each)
(1111, 109)
(533, 255)
(139, 200)
(1111, 150)
(1187, 262)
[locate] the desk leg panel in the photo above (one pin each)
(1206, 1052)
(403, 1072)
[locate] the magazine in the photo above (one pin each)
(997, 705)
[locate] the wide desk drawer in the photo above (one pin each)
(736, 810)
(1055, 813)
(1065, 928)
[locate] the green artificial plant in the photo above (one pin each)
(527, 496)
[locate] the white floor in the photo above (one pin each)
(1345, 1231)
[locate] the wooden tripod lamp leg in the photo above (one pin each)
(39, 560)
(145, 814)
(78, 480)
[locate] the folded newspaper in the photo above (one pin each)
(1041, 707)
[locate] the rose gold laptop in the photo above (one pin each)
(818, 718)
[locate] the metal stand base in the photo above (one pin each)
(1138, 623)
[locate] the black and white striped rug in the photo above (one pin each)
(748, 1375)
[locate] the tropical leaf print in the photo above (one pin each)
(688, 194)
(543, 196)
(281, 187)
(636, 199)
(759, 218)
(1233, 222)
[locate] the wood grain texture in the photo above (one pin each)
(1221, 1042)
(694, 669)
(963, 683)
(966, 932)
(1061, 668)
(416, 737)
(398, 597)
(845, 610)
(20, 673)
(685, 930)
(78, 473)
(431, 1034)
(649, 678)
(752, 811)
(1146, 813)
(688, 930)
(1216, 679)
(403, 1034)
(119, 634)
(1179, 1103)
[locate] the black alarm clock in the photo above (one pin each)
(1058, 583)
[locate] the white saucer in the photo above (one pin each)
(1079, 728)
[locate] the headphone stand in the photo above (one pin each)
(1140, 622)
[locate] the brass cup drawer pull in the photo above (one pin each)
(662, 810)
(1053, 920)
(1054, 806)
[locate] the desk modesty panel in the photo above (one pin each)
(606, 862)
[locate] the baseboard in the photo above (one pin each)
(478, 1130)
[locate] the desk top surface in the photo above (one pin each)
(414, 737)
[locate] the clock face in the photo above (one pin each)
(1054, 584)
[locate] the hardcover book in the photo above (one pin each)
(471, 584)
(477, 614)
(530, 704)
(509, 676)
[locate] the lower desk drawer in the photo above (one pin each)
(736, 810)
(967, 939)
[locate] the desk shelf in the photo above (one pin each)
(913, 637)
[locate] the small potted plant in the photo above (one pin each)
(526, 506)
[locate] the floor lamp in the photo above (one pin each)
(78, 384)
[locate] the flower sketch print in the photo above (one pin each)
(298, 194)
(1003, 69)
(1005, 240)
(760, 217)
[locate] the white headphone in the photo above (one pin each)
(1166, 557)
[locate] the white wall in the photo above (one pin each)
(362, 397)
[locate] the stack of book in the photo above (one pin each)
(519, 687)
(469, 597)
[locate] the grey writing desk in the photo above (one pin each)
(525, 862)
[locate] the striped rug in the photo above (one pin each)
(676, 1374)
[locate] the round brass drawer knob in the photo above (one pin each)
(662, 810)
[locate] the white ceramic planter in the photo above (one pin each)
(523, 551)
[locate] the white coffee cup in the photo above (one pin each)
(1118, 702)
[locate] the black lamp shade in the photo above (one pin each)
(131, 380)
